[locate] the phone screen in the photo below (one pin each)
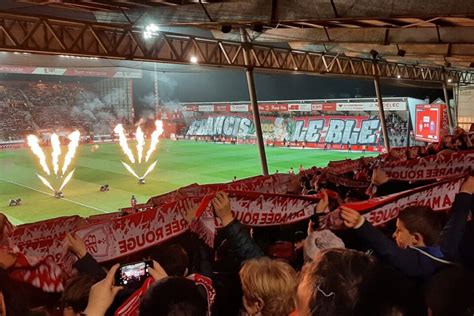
(132, 274)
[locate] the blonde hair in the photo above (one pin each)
(272, 281)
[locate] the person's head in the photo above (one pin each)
(343, 282)
(269, 286)
(174, 296)
(450, 292)
(76, 294)
(417, 226)
(329, 285)
(173, 258)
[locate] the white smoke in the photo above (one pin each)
(166, 97)
(100, 114)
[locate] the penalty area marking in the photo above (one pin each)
(47, 193)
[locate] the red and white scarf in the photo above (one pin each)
(42, 273)
(431, 167)
(381, 210)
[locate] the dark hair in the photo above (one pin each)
(450, 292)
(348, 282)
(422, 220)
(173, 258)
(76, 293)
(335, 278)
(174, 296)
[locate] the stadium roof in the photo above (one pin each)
(397, 39)
(435, 32)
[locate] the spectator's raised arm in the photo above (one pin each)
(242, 245)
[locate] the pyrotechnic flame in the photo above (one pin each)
(36, 149)
(73, 143)
(45, 182)
(123, 142)
(140, 143)
(152, 166)
(130, 169)
(56, 152)
(154, 138)
(66, 180)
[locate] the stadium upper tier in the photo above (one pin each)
(30, 106)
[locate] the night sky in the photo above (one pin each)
(199, 84)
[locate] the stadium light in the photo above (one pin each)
(78, 57)
(398, 76)
(194, 59)
(150, 31)
(450, 80)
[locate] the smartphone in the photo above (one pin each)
(133, 274)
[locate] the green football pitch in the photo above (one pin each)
(179, 163)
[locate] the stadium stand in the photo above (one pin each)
(31, 106)
(198, 269)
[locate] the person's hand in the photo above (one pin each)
(351, 218)
(221, 204)
(190, 209)
(323, 203)
(379, 177)
(102, 294)
(157, 272)
(76, 245)
(468, 185)
(7, 259)
(310, 229)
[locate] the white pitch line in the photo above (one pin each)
(15, 221)
(65, 199)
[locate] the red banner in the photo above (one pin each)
(276, 183)
(129, 234)
(378, 211)
(44, 230)
(431, 167)
(345, 166)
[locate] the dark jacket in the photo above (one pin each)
(241, 245)
(89, 266)
(413, 262)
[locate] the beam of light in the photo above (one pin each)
(123, 142)
(154, 138)
(71, 151)
(56, 152)
(36, 149)
(45, 182)
(140, 143)
(130, 169)
(66, 180)
(152, 166)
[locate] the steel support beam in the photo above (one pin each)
(448, 109)
(64, 37)
(381, 112)
(254, 102)
(156, 90)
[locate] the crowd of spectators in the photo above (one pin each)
(295, 269)
(28, 106)
(397, 128)
(16, 121)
